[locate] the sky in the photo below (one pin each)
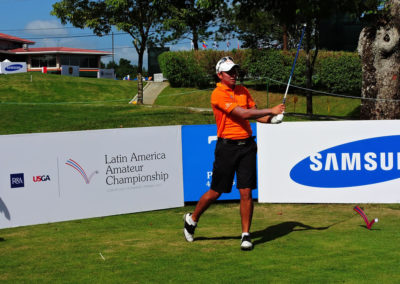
(31, 19)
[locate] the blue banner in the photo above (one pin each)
(198, 145)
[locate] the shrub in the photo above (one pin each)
(194, 68)
(335, 72)
(340, 73)
(276, 65)
(182, 70)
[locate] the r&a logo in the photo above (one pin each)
(17, 180)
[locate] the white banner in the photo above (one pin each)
(53, 177)
(70, 70)
(106, 74)
(158, 77)
(12, 67)
(329, 162)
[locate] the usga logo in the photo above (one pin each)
(17, 180)
(357, 163)
(41, 178)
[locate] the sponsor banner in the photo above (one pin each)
(329, 162)
(198, 145)
(106, 74)
(52, 177)
(70, 70)
(12, 67)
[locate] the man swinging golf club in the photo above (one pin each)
(236, 149)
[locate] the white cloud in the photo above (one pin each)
(46, 28)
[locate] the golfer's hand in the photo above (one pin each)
(278, 109)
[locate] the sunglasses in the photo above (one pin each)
(232, 72)
(226, 58)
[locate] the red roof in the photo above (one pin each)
(58, 50)
(14, 38)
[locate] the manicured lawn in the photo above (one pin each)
(293, 244)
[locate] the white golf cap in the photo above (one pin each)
(225, 64)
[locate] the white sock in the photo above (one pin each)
(190, 220)
(245, 234)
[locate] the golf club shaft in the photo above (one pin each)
(294, 64)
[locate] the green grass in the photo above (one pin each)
(188, 97)
(52, 103)
(53, 118)
(35, 102)
(293, 244)
(34, 87)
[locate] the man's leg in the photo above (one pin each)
(205, 201)
(190, 220)
(246, 213)
(246, 208)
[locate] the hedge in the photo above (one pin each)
(334, 72)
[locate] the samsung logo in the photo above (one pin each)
(13, 67)
(357, 163)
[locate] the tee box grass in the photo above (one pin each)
(294, 243)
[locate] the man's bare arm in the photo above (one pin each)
(264, 115)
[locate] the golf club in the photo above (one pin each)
(278, 118)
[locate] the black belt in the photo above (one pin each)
(238, 142)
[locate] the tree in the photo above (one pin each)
(378, 48)
(192, 19)
(112, 65)
(263, 24)
(255, 27)
(287, 18)
(141, 19)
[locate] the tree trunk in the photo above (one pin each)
(139, 77)
(140, 88)
(195, 38)
(379, 50)
(285, 37)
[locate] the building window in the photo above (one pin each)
(74, 60)
(83, 61)
(88, 61)
(64, 59)
(93, 62)
(43, 61)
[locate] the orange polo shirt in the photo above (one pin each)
(223, 101)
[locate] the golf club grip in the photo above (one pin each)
(294, 64)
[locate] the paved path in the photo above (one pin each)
(151, 92)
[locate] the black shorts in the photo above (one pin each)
(234, 156)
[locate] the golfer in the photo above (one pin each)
(236, 149)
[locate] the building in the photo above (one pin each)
(18, 50)
(153, 53)
(340, 32)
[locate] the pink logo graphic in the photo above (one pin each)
(80, 170)
(362, 214)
